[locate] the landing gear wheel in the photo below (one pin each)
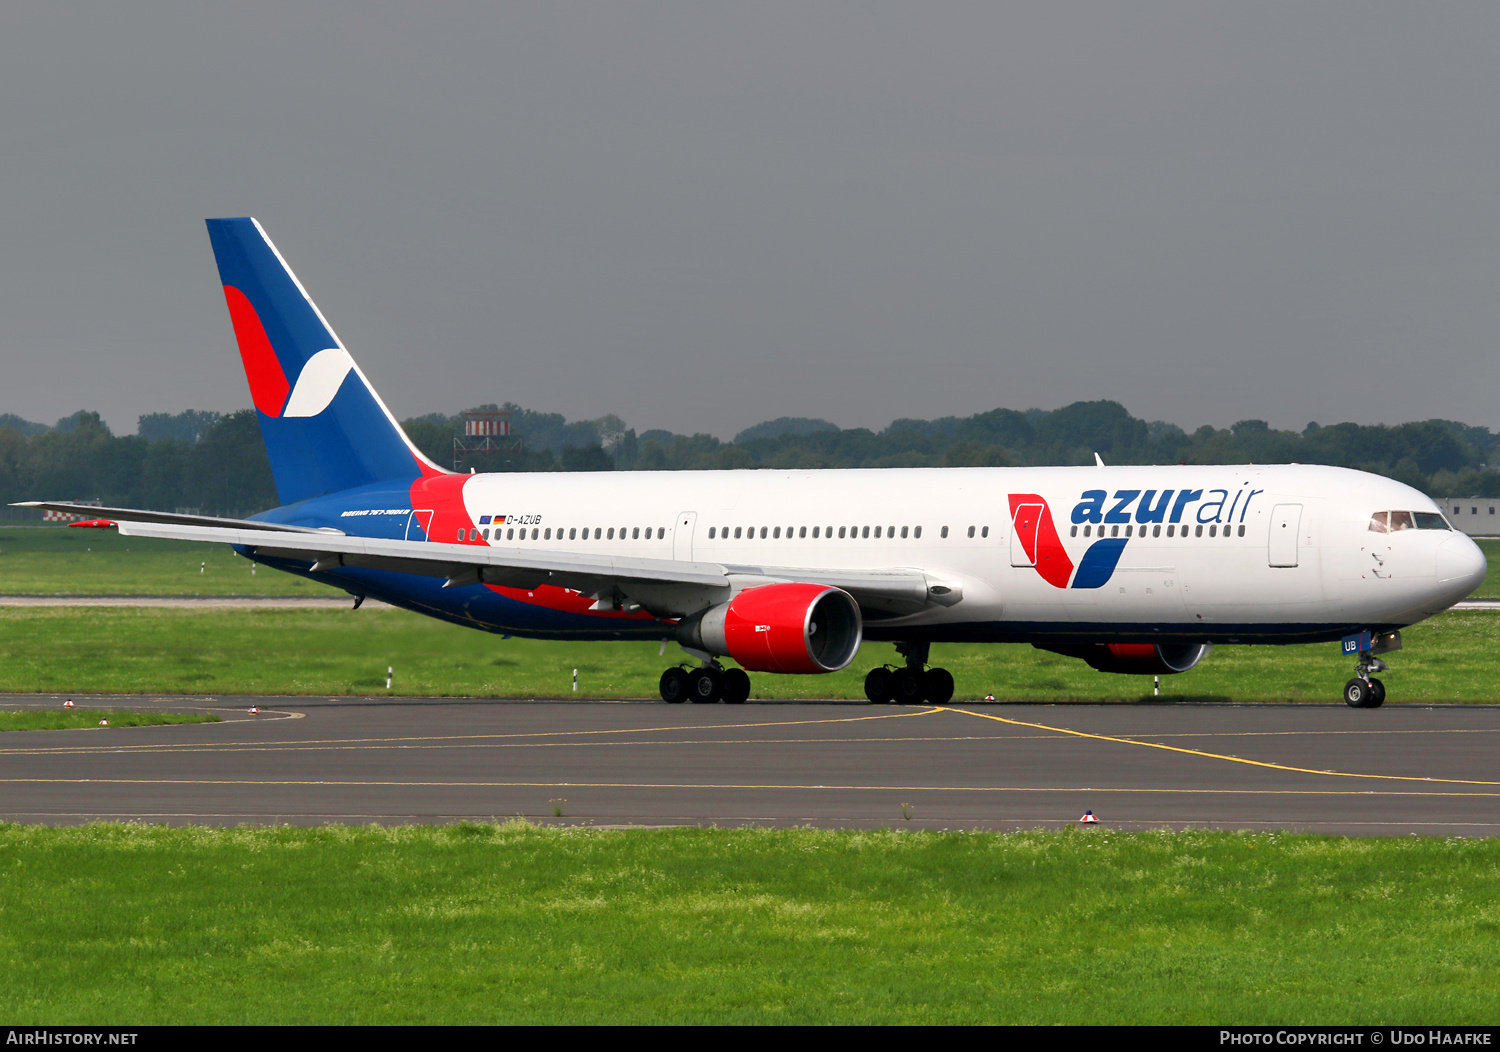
(674, 686)
(1377, 694)
(703, 686)
(1358, 693)
(880, 686)
(939, 688)
(910, 685)
(734, 686)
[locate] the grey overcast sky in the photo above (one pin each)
(703, 215)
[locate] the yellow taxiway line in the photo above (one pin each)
(1222, 756)
(33, 750)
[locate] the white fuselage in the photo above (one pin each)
(1252, 553)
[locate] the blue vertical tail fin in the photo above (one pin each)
(324, 426)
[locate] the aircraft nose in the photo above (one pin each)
(1460, 564)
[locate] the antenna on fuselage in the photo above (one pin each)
(1098, 461)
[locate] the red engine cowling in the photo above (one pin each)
(780, 628)
(1137, 659)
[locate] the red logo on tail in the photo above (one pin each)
(268, 383)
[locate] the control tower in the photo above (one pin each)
(487, 434)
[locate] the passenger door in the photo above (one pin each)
(1286, 519)
(423, 521)
(682, 536)
(1023, 534)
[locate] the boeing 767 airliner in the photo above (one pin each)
(1131, 569)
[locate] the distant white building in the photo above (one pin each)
(1476, 516)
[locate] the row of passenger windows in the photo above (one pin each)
(725, 533)
(720, 532)
(864, 532)
(573, 534)
(1213, 531)
(1396, 521)
(1380, 522)
(775, 532)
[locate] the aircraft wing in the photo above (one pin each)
(667, 586)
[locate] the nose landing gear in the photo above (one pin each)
(1364, 691)
(912, 683)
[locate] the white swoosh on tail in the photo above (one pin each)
(321, 379)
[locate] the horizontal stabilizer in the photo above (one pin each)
(93, 511)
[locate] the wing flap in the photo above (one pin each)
(435, 559)
(895, 592)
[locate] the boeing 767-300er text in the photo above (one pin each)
(1131, 569)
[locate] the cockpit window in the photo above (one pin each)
(1396, 521)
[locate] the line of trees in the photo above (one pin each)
(217, 464)
(1441, 457)
(222, 471)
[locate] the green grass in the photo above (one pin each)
(73, 719)
(38, 560)
(127, 925)
(1491, 587)
(136, 650)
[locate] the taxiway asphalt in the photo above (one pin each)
(1395, 770)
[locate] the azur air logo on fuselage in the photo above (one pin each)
(1037, 533)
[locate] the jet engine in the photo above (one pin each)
(1137, 659)
(789, 627)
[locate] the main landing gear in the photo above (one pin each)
(704, 686)
(912, 683)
